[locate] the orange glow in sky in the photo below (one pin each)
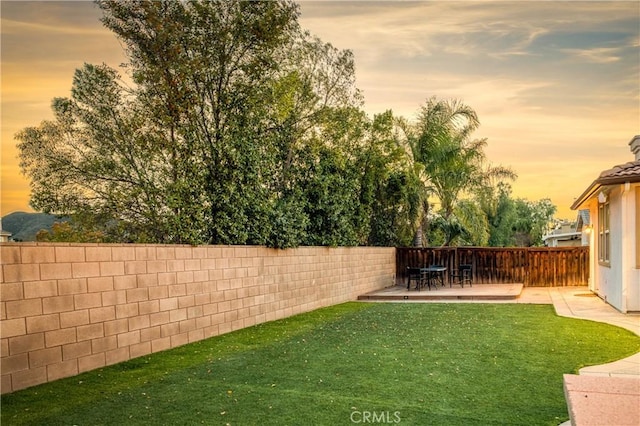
(556, 85)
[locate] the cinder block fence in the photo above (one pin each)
(70, 308)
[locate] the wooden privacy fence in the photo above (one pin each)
(531, 266)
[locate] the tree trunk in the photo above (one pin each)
(418, 237)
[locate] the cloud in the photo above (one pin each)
(58, 16)
(469, 28)
(601, 55)
(540, 44)
(12, 27)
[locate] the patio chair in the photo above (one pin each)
(462, 275)
(414, 274)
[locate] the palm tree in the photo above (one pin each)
(452, 163)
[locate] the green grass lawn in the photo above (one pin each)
(422, 364)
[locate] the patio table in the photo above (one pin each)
(431, 275)
(435, 274)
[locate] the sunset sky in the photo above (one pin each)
(556, 85)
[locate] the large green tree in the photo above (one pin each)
(206, 73)
(516, 221)
(97, 161)
(232, 125)
(391, 194)
(534, 220)
(500, 211)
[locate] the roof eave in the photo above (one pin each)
(585, 195)
(599, 183)
(618, 180)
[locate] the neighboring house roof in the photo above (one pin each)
(567, 236)
(584, 219)
(628, 172)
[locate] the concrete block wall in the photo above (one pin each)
(70, 308)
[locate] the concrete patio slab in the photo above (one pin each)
(479, 292)
(602, 400)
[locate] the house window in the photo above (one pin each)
(604, 240)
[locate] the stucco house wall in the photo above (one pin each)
(618, 281)
(629, 269)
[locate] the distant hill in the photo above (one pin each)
(24, 226)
